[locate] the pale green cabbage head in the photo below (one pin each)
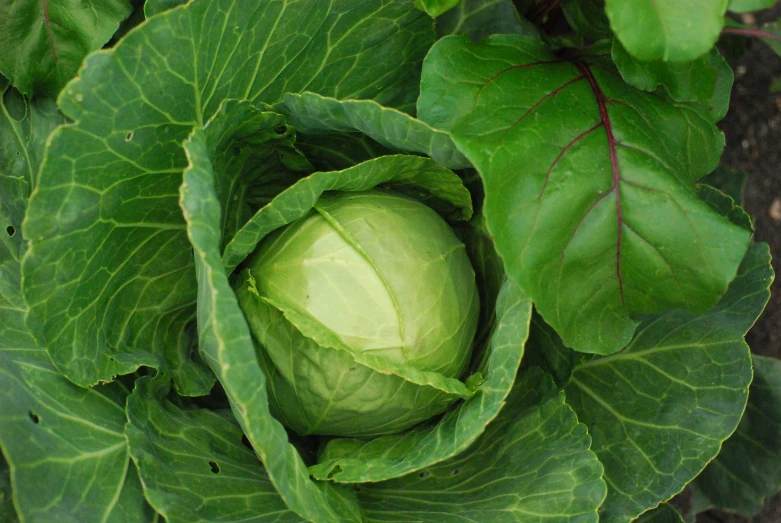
(373, 276)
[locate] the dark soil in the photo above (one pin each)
(753, 130)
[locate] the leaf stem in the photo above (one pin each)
(48, 23)
(616, 189)
(758, 33)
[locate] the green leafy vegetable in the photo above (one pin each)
(376, 261)
(570, 213)
(746, 6)
(42, 43)
(652, 448)
(665, 29)
(747, 468)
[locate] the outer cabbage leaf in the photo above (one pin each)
(24, 126)
(659, 411)
(224, 336)
(354, 461)
(7, 511)
(664, 29)
(65, 446)
(313, 114)
(419, 177)
(193, 463)
(593, 214)
(664, 513)
(109, 276)
(42, 43)
(533, 463)
(748, 468)
(707, 79)
(153, 7)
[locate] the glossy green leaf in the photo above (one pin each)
(532, 464)
(7, 511)
(666, 29)
(42, 43)
(748, 468)
(109, 275)
(747, 6)
(24, 126)
(589, 184)
(193, 463)
(729, 181)
(725, 206)
(421, 178)
(436, 7)
(65, 445)
(335, 152)
(313, 114)
(659, 410)
(664, 513)
(354, 461)
(587, 17)
(153, 7)
(65, 448)
(479, 19)
(226, 344)
(707, 79)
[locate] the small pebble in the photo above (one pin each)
(775, 210)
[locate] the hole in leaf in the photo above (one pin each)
(245, 442)
(215, 467)
(424, 474)
(34, 417)
(129, 136)
(455, 472)
(280, 129)
(10, 230)
(333, 472)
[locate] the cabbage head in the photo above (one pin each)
(374, 276)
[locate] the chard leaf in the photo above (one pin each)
(746, 6)
(659, 411)
(479, 19)
(664, 29)
(310, 113)
(193, 463)
(353, 461)
(109, 275)
(589, 184)
(224, 336)
(748, 468)
(706, 79)
(535, 447)
(664, 513)
(42, 43)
